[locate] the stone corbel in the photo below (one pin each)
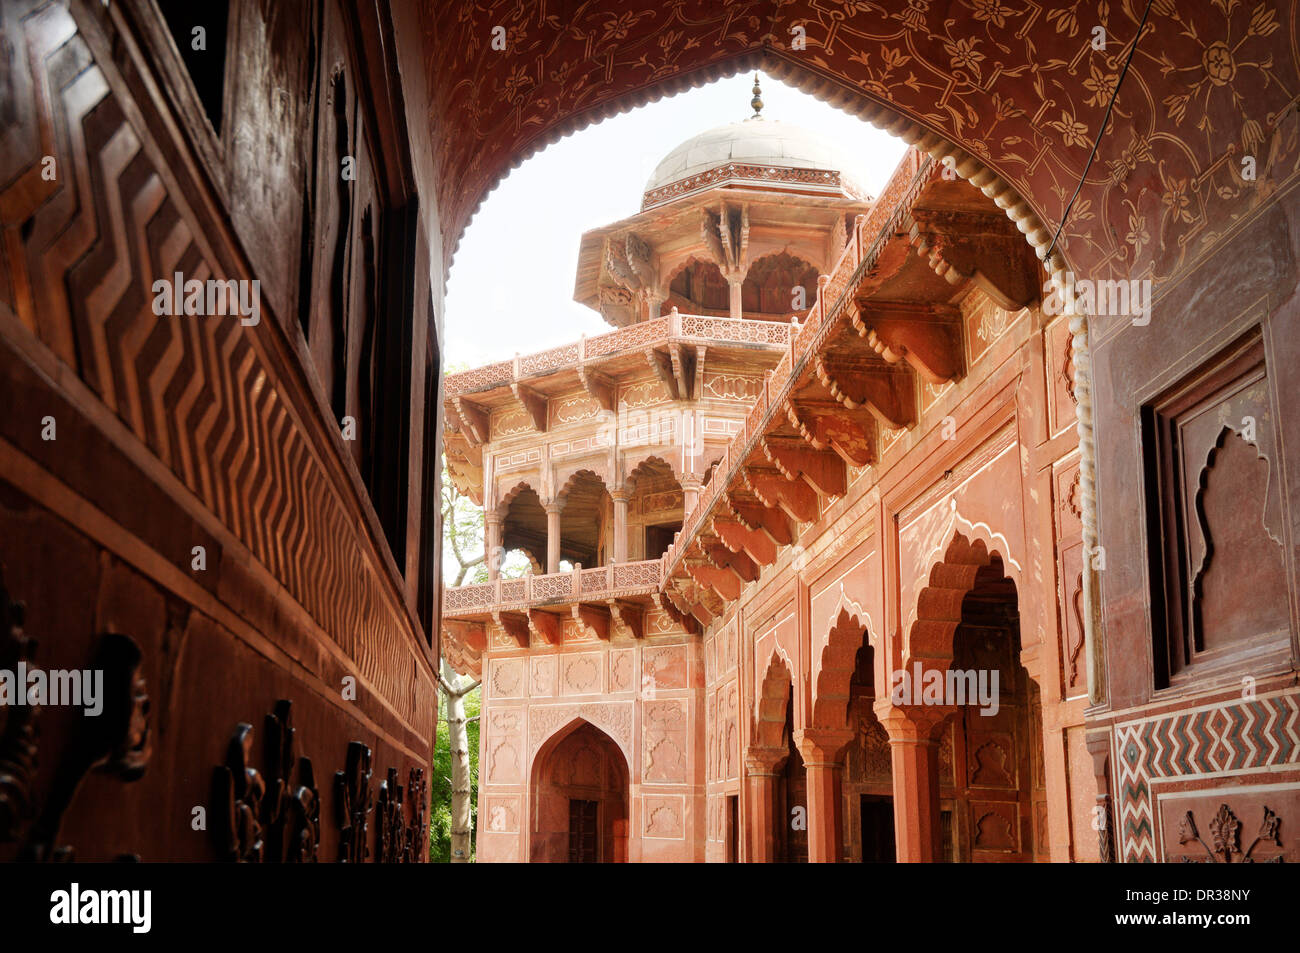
(662, 366)
(683, 363)
(532, 403)
(820, 469)
(797, 500)
(474, 419)
(597, 386)
(926, 337)
(830, 425)
(544, 626)
(756, 517)
(722, 581)
(595, 619)
(975, 246)
(513, 624)
(627, 618)
(887, 392)
(738, 538)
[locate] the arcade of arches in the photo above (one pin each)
(960, 461)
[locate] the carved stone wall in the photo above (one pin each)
(186, 478)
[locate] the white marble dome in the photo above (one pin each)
(769, 144)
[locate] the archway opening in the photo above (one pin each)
(580, 799)
(792, 791)
(523, 529)
(868, 772)
(992, 785)
(586, 520)
(700, 288)
(656, 508)
(769, 290)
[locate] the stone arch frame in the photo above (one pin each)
(679, 266)
(547, 747)
(871, 105)
(504, 500)
(553, 740)
(569, 477)
(929, 639)
(630, 468)
(770, 708)
(815, 267)
(850, 630)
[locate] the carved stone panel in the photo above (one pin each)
(582, 674)
(664, 816)
(666, 737)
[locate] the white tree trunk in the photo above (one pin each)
(456, 688)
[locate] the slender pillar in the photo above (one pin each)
(735, 284)
(553, 536)
(492, 545)
(914, 748)
(620, 498)
(762, 777)
(690, 493)
(822, 750)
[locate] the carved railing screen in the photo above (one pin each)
(622, 579)
(680, 328)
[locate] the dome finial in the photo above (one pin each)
(757, 102)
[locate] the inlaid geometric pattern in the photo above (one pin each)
(1228, 737)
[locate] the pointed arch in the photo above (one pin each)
(849, 632)
(579, 793)
(938, 609)
(643, 462)
(567, 479)
(552, 741)
(772, 701)
(505, 499)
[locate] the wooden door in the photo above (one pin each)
(583, 831)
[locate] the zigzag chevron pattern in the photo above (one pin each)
(196, 391)
(1229, 737)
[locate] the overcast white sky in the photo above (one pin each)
(511, 286)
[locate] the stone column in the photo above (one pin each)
(735, 282)
(492, 545)
(620, 498)
(822, 750)
(553, 536)
(914, 748)
(690, 494)
(760, 822)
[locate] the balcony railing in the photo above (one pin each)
(606, 582)
(673, 327)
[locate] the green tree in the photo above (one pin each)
(440, 818)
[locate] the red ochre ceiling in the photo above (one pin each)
(1016, 84)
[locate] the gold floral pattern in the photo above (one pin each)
(1022, 87)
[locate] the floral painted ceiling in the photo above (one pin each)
(1202, 133)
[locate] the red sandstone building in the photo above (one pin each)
(964, 455)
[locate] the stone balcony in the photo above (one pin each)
(615, 581)
(672, 328)
(534, 609)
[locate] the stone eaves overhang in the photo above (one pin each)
(885, 319)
